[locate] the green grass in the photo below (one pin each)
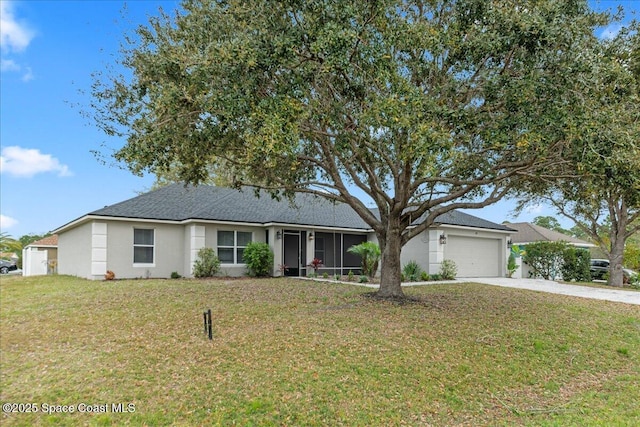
(291, 352)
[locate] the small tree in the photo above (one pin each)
(370, 254)
(207, 264)
(259, 259)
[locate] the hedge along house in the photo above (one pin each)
(161, 232)
(527, 233)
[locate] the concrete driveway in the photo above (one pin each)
(616, 295)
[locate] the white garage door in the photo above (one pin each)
(475, 257)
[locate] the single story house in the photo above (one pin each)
(161, 232)
(527, 233)
(40, 257)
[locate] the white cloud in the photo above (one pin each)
(27, 162)
(610, 31)
(9, 65)
(15, 36)
(28, 75)
(7, 222)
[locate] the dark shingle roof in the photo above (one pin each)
(178, 203)
(466, 220)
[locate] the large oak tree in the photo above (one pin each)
(425, 106)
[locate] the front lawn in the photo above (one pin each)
(303, 353)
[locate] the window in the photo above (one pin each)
(231, 245)
(143, 246)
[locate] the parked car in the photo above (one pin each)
(600, 268)
(7, 266)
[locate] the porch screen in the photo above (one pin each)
(331, 248)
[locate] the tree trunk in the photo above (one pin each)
(616, 275)
(391, 270)
(617, 236)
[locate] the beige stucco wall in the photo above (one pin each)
(169, 250)
(83, 250)
(211, 241)
(276, 247)
(417, 249)
(74, 251)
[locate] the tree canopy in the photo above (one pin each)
(550, 223)
(598, 186)
(425, 106)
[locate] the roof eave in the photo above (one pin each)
(468, 227)
(93, 217)
(587, 245)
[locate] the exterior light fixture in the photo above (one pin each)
(443, 239)
(311, 235)
(278, 234)
(509, 243)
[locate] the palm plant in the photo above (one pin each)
(370, 254)
(9, 244)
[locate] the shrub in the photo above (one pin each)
(325, 275)
(435, 277)
(175, 275)
(632, 255)
(363, 279)
(350, 276)
(576, 264)
(109, 275)
(634, 282)
(448, 270)
(207, 264)
(259, 259)
(424, 276)
(583, 266)
(545, 258)
(411, 271)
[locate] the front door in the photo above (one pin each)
(292, 253)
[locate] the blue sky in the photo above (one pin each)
(49, 50)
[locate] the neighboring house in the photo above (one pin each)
(40, 257)
(160, 232)
(9, 256)
(531, 233)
